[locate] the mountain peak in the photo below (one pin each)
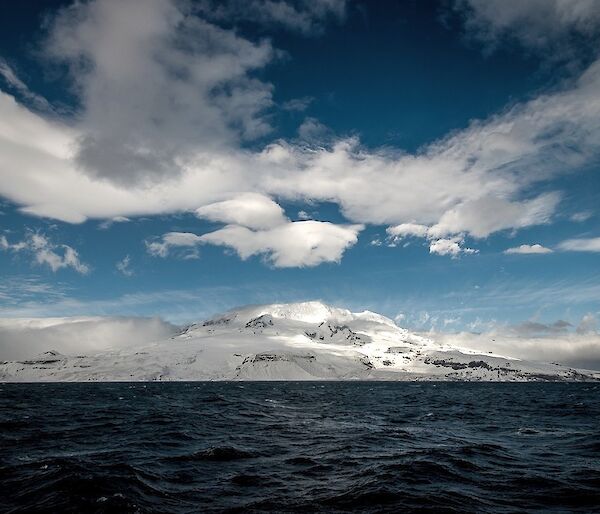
(307, 312)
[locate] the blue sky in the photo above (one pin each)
(436, 162)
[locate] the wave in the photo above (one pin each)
(338, 447)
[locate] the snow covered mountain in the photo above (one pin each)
(298, 341)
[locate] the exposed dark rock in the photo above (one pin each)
(263, 321)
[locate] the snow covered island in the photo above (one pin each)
(298, 341)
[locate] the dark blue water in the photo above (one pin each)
(300, 447)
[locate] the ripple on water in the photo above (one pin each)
(299, 447)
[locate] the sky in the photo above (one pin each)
(436, 162)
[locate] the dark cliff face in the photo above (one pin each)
(263, 321)
(327, 331)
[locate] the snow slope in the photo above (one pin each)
(298, 341)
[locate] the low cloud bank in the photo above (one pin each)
(22, 338)
(581, 350)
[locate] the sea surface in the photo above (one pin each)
(300, 447)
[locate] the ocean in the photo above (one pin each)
(192, 447)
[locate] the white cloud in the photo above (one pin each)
(124, 266)
(22, 289)
(157, 85)
(557, 341)
(581, 245)
(14, 82)
(250, 210)
(399, 232)
(297, 104)
(580, 350)
(588, 324)
(452, 247)
(580, 217)
(24, 338)
(486, 215)
(313, 131)
(256, 225)
(291, 244)
(528, 249)
(105, 225)
(28, 297)
(448, 183)
(167, 99)
(563, 291)
(170, 240)
(455, 176)
(294, 244)
(445, 247)
(5, 245)
(536, 24)
(45, 252)
(538, 329)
